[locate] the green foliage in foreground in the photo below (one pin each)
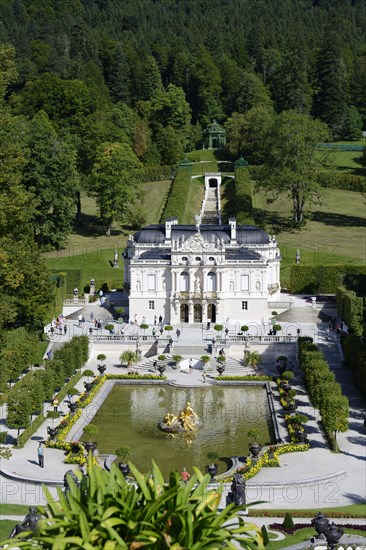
(108, 512)
(6, 526)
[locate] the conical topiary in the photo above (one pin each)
(265, 535)
(288, 521)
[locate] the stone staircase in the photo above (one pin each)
(234, 367)
(211, 214)
(192, 349)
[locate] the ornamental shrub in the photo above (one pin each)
(265, 535)
(288, 522)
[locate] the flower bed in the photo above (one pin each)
(75, 452)
(268, 459)
(247, 378)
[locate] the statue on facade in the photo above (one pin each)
(197, 284)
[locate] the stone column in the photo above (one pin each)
(190, 312)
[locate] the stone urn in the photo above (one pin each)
(255, 449)
(88, 386)
(52, 432)
(212, 469)
(333, 534)
(301, 436)
(101, 369)
(90, 446)
(72, 406)
(320, 523)
(291, 407)
(124, 468)
(285, 385)
(161, 369)
(220, 369)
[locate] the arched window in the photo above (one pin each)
(184, 284)
(211, 282)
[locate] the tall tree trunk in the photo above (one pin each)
(78, 206)
(109, 227)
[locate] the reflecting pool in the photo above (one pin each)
(130, 415)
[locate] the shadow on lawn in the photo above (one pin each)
(92, 226)
(330, 218)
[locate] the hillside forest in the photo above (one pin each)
(97, 96)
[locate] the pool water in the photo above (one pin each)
(130, 415)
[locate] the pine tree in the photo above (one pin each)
(332, 96)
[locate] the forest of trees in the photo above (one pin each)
(95, 89)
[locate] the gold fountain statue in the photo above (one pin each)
(186, 421)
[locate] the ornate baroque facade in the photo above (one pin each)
(187, 273)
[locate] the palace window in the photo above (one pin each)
(211, 282)
(184, 278)
(151, 304)
(244, 305)
(244, 282)
(151, 282)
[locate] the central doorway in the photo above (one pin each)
(211, 312)
(197, 313)
(184, 313)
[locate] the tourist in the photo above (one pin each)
(155, 319)
(160, 319)
(80, 319)
(161, 330)
(90, 331)
(65, 329)
(143, 322)
(91, 316)
(204, 377)
(40, 455)
(155, 365)
(177, 332)
(55, 404)
(185, 476)
(153, 331)
(208, 324)
(190, 364)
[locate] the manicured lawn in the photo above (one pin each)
(14, 509)
(352, 509)
(6, 526)
(95, 263)
(333, 235)
(90, 250)
(193, 204)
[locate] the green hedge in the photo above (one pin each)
(70, 384)
(354, 349)
(307, 279)
(33, 427)
(243, 197)
(73, 278)
(347, 182)
(177, 199)
(157, 172)
(324, 391)
(351, 308)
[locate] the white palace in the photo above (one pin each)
(206, 271)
